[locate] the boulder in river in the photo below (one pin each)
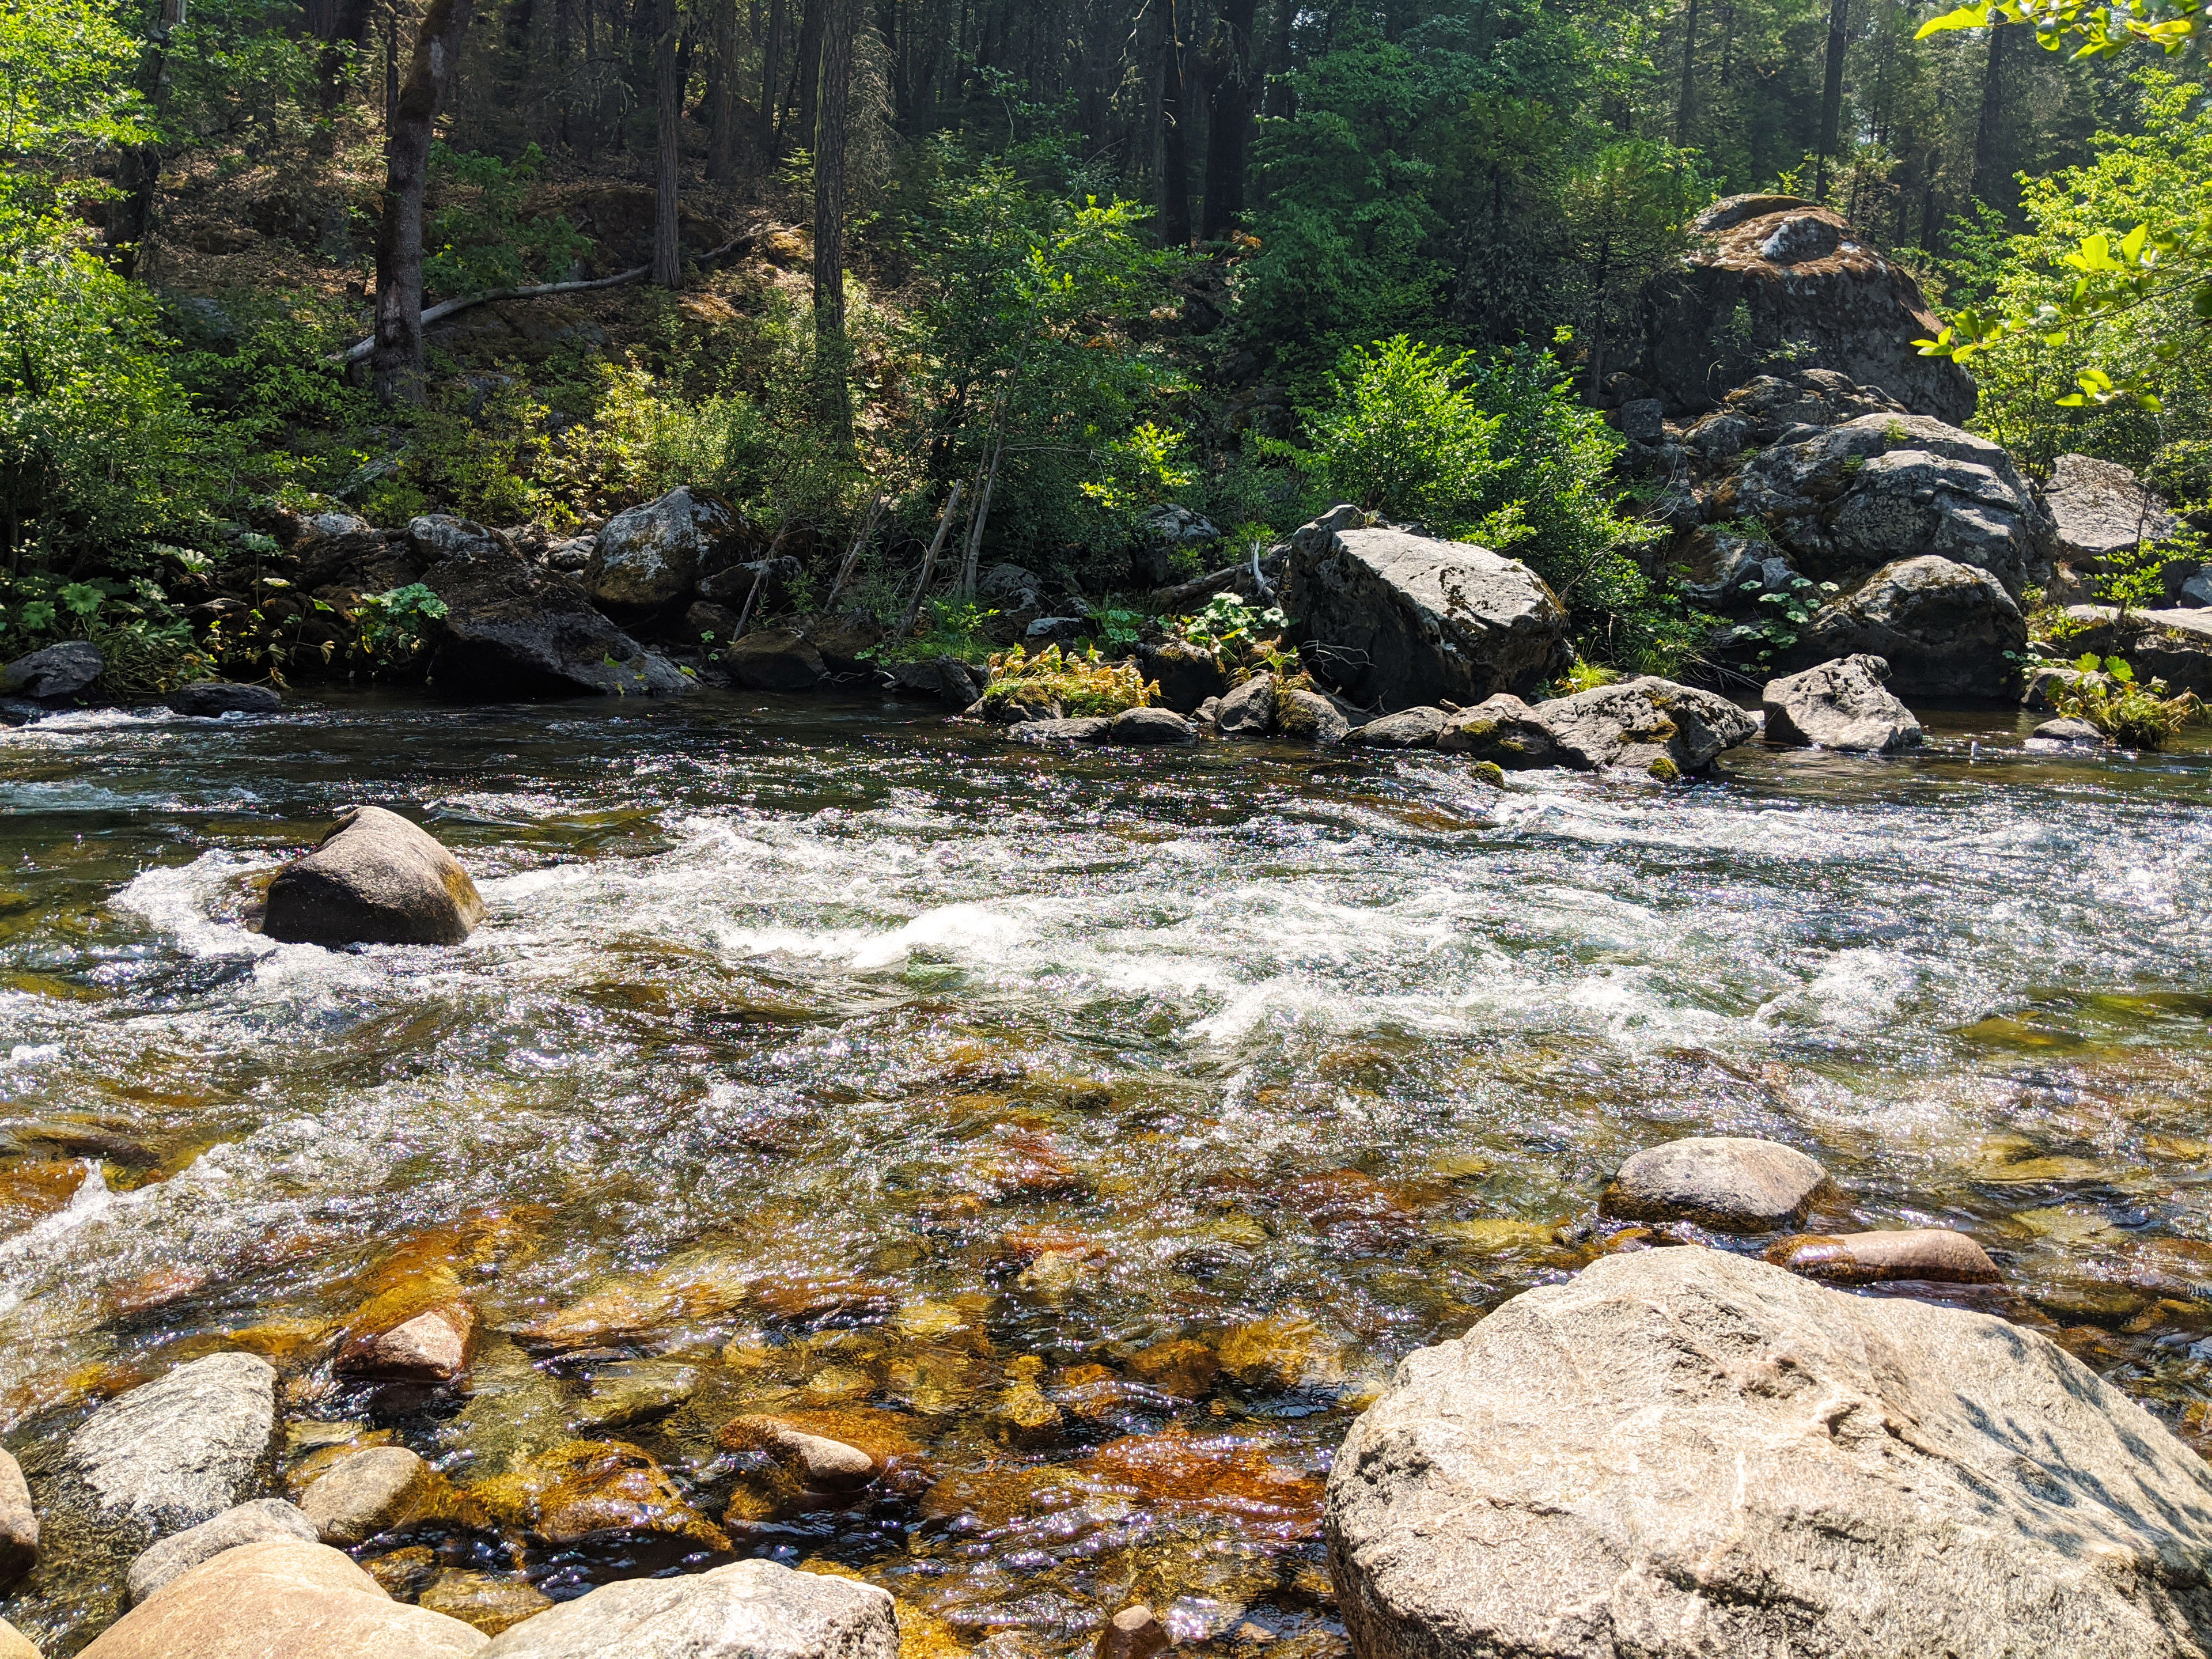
(1409, 728)
(1308, 716)
(1646, 724)
(1187, 676)
(281, 1599)
(1396, 618)
(375, 878)
(209, 699)
(1839, 705)
(1501, 729)
(1686, 1454)
(18, 1524)
(380, 1489)
(2072, 733)
(1135, 1632)
(1088, 728)
(747, 1610)
(514, 629)
(1151, 726)
(1946, 629)
(2100, 507)
(1936, 1255)
(181, 1450)
(582, 1487)
(650, 555)
(1247, 710)
(775, 660)
(1729, 1182)
(56, 674)
(256, 1523)
(1771, 273)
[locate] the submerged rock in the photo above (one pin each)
(55, 674)
(747, 1610)
(650, 554)
(181, 1450)
(588, 1486)
(1728, 1182)
(1738, 1464)
(1411, 728)
(1839, 705)
(1647, 725)
(281, 1599)
(18, 1524)
(1397, 618)
(1934, 1254)
(249, 1523)
(381, 1489)
(1135, 1632)
(209, 699)
(490, 1604)
(375, 878)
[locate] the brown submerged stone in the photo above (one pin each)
(1177, 1474)
(1934, 1254)
(588, 1486)
(1182, 1368)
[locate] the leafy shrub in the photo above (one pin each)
(1081, 685)
(2108, 695)
(945, 628)
(475, 236)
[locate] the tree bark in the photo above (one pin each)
(811, 18)
(722, 118)
(348, 23)
(668, 146)
(831, 349)
(396, 362)
(771, 102)
(929, 562)
(1832, 95)
(1682, 104)
(131, 216)
(1278, 59)
(1175, 148)
(1989, 135)
(1232, 75)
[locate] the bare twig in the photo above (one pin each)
(929, 561)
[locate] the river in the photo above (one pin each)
(1306, 1057)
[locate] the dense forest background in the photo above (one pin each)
(831, 258)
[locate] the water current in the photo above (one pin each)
(1108, 1122)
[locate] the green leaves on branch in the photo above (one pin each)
(2094, 31)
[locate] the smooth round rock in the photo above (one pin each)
(748, 1610)
(1135, 1632)
(375, 880)
(1728, 1182)
(1934, 1254)
(367, 1493)
(249, 1523)
(2069, 731)
(1410, 728)
(13, 1644)
(1153, 726)
(1688, 1453)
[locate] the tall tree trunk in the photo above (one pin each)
(812, 16)
(132, 214)
(1175, 148)
(1832, 95)
(722, 118)
(347, 21)
(1278, 59)
(1682, 104)
(771, 102)
(668, 146)
(831, 349)
(1232, 76)
(1989, 135)
(396, 362)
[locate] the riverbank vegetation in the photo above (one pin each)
(1069, 260)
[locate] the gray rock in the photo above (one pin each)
(766, 584)
(19, 1524)
(1935, 1255)
(329, 526)
(1839, 705)
(2100, 508)
(208, 699)
(249, 1523)
(375, 878)
(437, 537)
(1945, 629)
(181, 1450)
(2173, 645)
(1646, 724)
(650, 554)
(2036, 696)
(1308, 716)
(2067, 731)
(573, 557)
(516, 629)
(775, 660)
(1727, 1182)
(366, 1493)
(948, 679)
(748, 1610)
(1501, 729)
(1644, 421)
(1396, 618)
(1067, 632)
(1247, 710)
(1011, 588)
(58, 672)
(1716, 565)
(1684, 1454)
(1151, 726)
(2197, 592)
(1410, 728)
(1185, 675)
(1091, 728)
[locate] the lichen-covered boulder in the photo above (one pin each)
(1400, 619)
(1839, 705)
(2100, 507)
(1946, 629)
(1686, 1454)
(650, 555)
(1503, 731)
(375, 878)
(1646, 724)
(1771, 273)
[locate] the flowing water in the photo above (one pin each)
(992, 1075)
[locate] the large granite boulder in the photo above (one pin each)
(1885, 487)
(1686, 1454)
(650, 555)
(375, 878)
(2099, 508)
(1645, 725)
(1839, 705)
(58, 674)
(281, 1599)
(747, 1610)
(514, 629)
(179, 1450)
(1795, 273)
(1946, 629)
(1400, 619)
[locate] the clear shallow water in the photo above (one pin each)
(1261, 1049)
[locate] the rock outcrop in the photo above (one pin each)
(375, 878)
(650, 554)
(2173, 645)
(748, 1610)
(1946, 629)
(1686, 1453)
(181, 1450)
(281, 1599)
(512, 629)
(1729, 1183)
(1839, 705)
(1399, 619)
(2099, 508)
(1774, 275)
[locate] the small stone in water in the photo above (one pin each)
(1132, 1633)
(379, 1489)
(492, 1604)
(1183, 1368)
(1728, 1182)
(1934, 1254)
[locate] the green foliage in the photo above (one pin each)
(395, 625)
(945, 628)
(65, 86)
(1082, 685)
(2092, 30)
(1118, 630)
(2107, 695)
(1230, 622)
(475, 236)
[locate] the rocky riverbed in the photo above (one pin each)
(1000, 1175)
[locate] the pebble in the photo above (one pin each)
(1135, 1632)
(1933, 1254)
